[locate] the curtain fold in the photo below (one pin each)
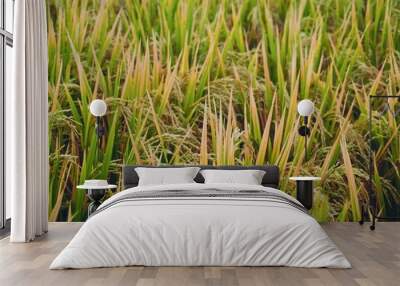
(27, 124)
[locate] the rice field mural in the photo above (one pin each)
(218, 82)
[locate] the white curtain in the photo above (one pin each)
(27, 124)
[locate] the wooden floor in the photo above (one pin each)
(375, 257)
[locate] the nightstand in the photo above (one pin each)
(95, 191)
(304, 193)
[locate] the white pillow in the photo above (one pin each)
(248, 177)
(166, 176)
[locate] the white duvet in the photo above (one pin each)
(200, 231)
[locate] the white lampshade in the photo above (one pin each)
(305, 107)
(98, 107)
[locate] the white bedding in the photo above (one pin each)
(200, 231)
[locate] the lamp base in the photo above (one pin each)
(304, 131)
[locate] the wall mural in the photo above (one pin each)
(218, 82)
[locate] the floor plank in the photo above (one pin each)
(375, 257)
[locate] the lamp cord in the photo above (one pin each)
(305, 148)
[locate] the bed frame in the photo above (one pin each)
(271, 178)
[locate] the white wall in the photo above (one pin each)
(8, 86)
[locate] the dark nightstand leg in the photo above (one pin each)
(95, 197)
(305, 193)
(361, 221)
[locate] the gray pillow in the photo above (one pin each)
(247, 177)
(166, 176)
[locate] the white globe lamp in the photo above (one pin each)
(98, 107)
(305, 107)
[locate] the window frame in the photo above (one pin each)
(6, 39)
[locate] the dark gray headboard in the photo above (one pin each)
(271, 177)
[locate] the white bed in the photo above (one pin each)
(202, 231)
